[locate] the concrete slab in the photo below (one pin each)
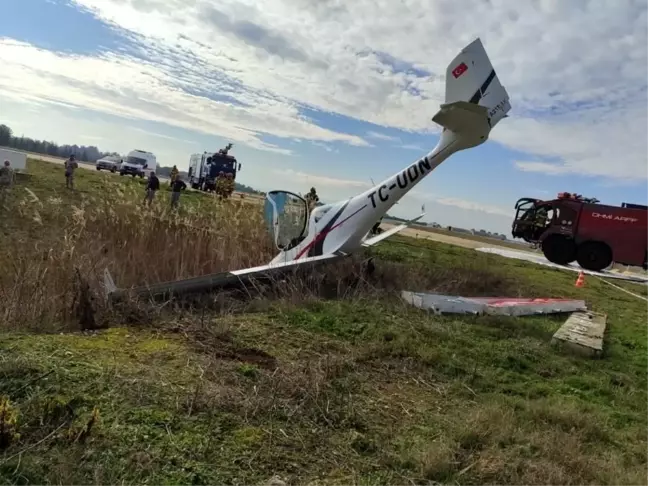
(541, 260)
(582, 334)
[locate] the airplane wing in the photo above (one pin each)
(386, 234)
(214, 281)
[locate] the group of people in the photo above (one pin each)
(7, 174)
(153, 185)
(223, 185)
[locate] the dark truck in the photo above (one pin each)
(572, 228)
(204, 168)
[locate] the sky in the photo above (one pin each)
(337, 94)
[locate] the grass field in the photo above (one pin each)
(355, 388)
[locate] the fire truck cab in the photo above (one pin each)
(573, 228)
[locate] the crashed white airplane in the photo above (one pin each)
(475, 101)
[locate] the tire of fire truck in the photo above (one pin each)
(559, 249)
(594, 255)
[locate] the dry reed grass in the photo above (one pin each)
(49, 276)
(39, 267)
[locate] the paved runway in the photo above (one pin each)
(640, 277)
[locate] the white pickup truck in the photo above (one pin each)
(110, 162)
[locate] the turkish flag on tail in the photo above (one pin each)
(459, 70)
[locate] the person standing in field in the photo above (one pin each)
(6, 180)
(177, 186)
(70, 166)
(228, 184)
(174, 174)
(151, 188)
(6, 174)
(312, 199)
(220, 184)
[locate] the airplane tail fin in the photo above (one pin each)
(473, 92)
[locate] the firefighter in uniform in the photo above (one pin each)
(375, 229)
(312, 199)
(174, 174)
(220, 184)
(540, 220)
(229, 184)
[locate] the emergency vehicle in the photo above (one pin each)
(574, 228)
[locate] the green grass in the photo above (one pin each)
(362, 390)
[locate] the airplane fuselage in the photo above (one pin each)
(342, 226)
(475, 102)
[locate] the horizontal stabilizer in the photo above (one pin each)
(392, 231)
(463, 117)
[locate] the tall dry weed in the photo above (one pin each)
(56, 248)
(51, 242)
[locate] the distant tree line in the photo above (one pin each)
(83, 153)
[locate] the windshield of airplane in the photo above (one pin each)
(286, 216)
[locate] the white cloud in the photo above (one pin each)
(346, 187)
(412, 146)
(382, 136)
(126, 87)
(319, 180)
(240, 69)
(361, 59)
(326, 147)
(544, 167)
(159, 135)
(472, 206)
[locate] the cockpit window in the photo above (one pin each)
(286, 215)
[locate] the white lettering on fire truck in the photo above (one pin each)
(623, 219)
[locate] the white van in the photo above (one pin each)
(138, 163)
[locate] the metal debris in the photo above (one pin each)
(448, 304)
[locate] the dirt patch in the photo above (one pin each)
(218, 342)
(247, 355)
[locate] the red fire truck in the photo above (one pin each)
(573, 228)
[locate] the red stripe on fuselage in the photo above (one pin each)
(323, 234)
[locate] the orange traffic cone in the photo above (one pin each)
(580, 281)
